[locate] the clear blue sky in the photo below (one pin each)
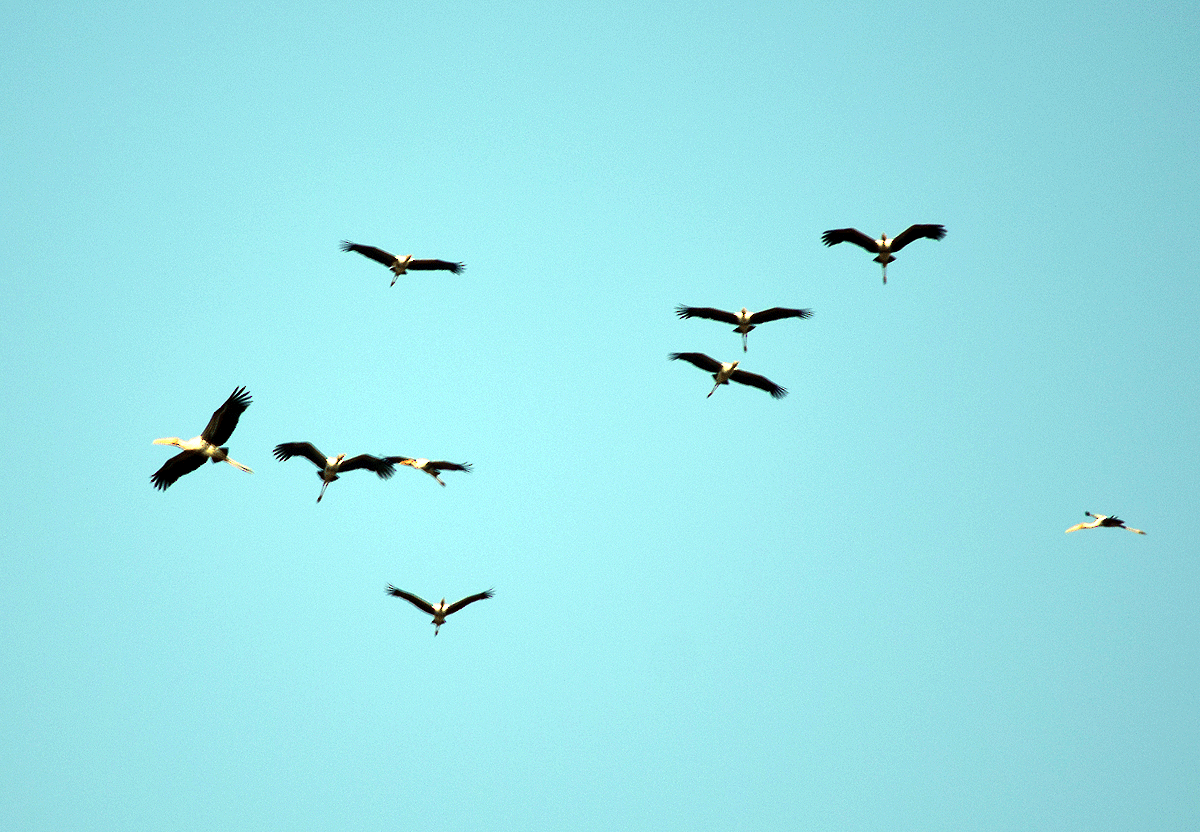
(850, 609)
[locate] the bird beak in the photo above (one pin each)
(161, 442)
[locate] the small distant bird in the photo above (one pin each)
(430, 467)
(206, 446)
(442, 610)
(399, 265)
(883, 246)
(743, 321)
(725, 372)
(331, 466)
(1103, 520)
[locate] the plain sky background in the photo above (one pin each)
(850, 609)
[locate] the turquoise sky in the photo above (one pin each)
(850, 609)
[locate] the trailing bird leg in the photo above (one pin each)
(233, 462)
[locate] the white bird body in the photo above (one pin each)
(1105, 520)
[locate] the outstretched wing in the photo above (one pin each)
(849, 235)
(442, 465)
(370, 463)
(286, 450)
(376, 254)
(761, 382)
(916, 232)
(176, 467)
(777, 312)
(225, 418)
(705, 312)
(419, 603)
(432, 265)
(699, 359)
(458, 605)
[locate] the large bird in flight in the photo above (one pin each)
(331, 466)
(399, 265)
(883, 246)
(207, 446)
(440, 611)
(743, 321)
(725, 372)
(1109, 521)
(432, 467)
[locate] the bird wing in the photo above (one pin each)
(225, 418)
(376, 254)
(849, 235)
(761, 382)
(705, 312)
(286, 450)
(431, 265)
(419, 603)
(916, 232)
(699, 359)
(400, 460)
(442, 465)
(777, 312)
(176, 467)
(371, 463)
(458, 605)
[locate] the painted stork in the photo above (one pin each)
(743, 321)
(431, 467)
(1099, 520)
(399, 265)
(725, 372)
(206, 446)
(331, 466)
(440, 611)
(883, 246)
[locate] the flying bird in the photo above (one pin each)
(1103, 520)
(743, 321)
(430, 467)
(331, 466)
(442, 610)
(883, 246)
(399, 265)
(206, 446)
(725, 372)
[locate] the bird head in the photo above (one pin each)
(169, 440)
(337, 460)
